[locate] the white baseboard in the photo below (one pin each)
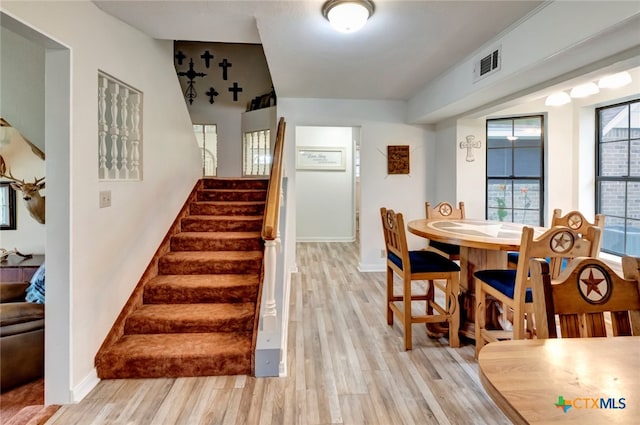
(372, 268)
(327, 239)
(85, 386)
(282, 367)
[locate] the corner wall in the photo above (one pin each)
(108, 248)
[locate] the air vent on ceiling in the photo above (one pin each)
(487, 64)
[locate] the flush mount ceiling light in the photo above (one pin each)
(615, 81)
(584, 90)
(348, 15)
(558, 99)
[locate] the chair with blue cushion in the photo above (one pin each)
(575, 220)
(445, 210)
(419, 265)
(512, 288)
(581, 295)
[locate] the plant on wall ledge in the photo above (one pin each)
(502, 205)
(526, 201)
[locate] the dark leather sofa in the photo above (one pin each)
(21, 337)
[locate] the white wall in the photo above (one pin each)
(111, 247)
(22, 85)
(22, 64)
(29, 235)
(382, 124)
(325, 199)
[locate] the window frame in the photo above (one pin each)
(514, 178)
(626, 179)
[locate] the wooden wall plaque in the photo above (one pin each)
(398, 159)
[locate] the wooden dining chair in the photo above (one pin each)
(445, 210)
(581, 296)
(418, 266)
(511, 287)
(574, 220)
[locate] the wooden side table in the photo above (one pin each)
(18, 269)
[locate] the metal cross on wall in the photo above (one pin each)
(469, 144)
(191, 74)
(224, 65)
(207, 58)
(211, 93)
(180, 57)
(235, 89)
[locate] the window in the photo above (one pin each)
(618, 176)
(119, 130)
(7, 207)
(257, 153)
(207, 138)
(515, 167)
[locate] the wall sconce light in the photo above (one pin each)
(615, 81)
(558, 99)
(584, 90)
(348, 15)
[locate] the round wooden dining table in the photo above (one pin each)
(483, 245)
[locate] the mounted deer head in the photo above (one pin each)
(30, 192)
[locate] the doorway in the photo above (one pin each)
(326, 183)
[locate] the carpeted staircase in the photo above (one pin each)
(194, 312)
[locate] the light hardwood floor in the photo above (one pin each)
(346, 366)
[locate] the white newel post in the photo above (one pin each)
(269, 323)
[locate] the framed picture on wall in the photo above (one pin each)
(7, 207)
(321, 158)
(398, 159)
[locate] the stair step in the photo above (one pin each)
(222, 223)
(216, 241)
(196, 318)
(202, 288)
(232, 195)
(235, 183)
(175, 355)
(210, 262)
(227, 208)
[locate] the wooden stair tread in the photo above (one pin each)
(174, 318)
(182, 345)
(173, 355)
(205, 280)
(218, 235)
(212, 256)
(225, 217)
(193, 312)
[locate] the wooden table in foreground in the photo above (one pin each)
(483, 245)
(570, 381)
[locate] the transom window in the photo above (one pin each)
(515, 170)
(618, 176)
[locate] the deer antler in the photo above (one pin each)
(10, 177)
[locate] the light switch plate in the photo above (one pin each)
(105, 198)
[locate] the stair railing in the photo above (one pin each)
(270, 233)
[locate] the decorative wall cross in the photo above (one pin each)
(207, 58)
(469, 144)
(211, 93)
(191, 74)
(235, 89)
(224, 65)
(180, 57)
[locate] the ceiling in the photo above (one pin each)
(403, 46)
